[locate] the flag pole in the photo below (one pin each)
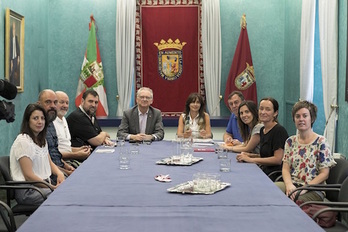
(241, 76)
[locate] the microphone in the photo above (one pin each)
(7, 90)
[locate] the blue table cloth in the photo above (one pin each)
(99, 196)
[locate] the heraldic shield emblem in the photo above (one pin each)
(170, 59)
(91, 73)
(246, 78)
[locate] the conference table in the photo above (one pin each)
(99, 196)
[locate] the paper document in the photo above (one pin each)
(105, 151)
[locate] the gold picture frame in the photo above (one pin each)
(14, 49)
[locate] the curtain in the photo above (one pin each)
(328, 34)
(125, 45)
(211, 40)
(307, 50)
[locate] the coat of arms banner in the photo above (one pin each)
(169, 52)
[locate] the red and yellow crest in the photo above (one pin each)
(246, 78)
(170, 58)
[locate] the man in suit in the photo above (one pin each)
(142, 122)
(83, 125)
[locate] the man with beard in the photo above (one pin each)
(83, 125)
(73, 155)
(48, 100)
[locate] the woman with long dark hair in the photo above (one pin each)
(249, 126)
(194, 121)
(272, 139)
(29, 157)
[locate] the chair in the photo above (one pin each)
(340, 206)
(7, 217)
(276, 175)
(336, 177)
(10, 186)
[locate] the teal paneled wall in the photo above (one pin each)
(35, 59)
(291, 59)
(342, 127)
(265, 23)
(68, 35)
(56, 38)
(68, 42)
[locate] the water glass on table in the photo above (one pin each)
(124, 159)
(199, 182)
(214, 181)
(186, 151)
(120, 141)
(221, 153)
(134, 149)
(225, 165)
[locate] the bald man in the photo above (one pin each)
(48, 100)
(64, 144)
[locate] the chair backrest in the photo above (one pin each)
(6, 174)
(337, 175)
(343, 196)
(5, 168)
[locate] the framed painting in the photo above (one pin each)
(346, 89)
(14, 49)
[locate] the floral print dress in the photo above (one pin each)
(306, 160)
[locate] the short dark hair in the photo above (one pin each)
(25, 127)
(88, 92)
(308, 105)
(239, 93)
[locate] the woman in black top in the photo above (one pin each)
(272, 139)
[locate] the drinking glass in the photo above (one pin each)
(120, 141)
(124, 159)
(225, 165)
(221, 153)
(134, 149)
(186, 150)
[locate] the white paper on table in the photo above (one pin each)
(105, 151)
(203, 141)
(202, 144)
(220, 143)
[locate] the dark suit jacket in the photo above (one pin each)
(130, 123)
(17, 47)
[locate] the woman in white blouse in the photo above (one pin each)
(29, 157)
(194, 121)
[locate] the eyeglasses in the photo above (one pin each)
(144, 97)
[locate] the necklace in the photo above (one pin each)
(266, 130)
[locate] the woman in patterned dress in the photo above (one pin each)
(307, 157)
